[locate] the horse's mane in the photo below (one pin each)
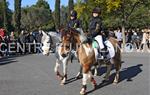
(79, 32)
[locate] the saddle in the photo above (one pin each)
(109, 49)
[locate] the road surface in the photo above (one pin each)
(34, 75)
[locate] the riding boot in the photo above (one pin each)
(99, 56)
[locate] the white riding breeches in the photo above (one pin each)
(99, 39)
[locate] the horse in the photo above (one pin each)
(46, 43)
(86, 55)
(55, 38)
(63, 56)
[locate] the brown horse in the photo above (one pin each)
(86, 56)
(63, 55)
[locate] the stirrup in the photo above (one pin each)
(100, 57)
(106, 60)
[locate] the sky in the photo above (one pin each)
(31, 2)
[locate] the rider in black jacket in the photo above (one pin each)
(95, 29)
(74, 22)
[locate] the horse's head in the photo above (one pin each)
(46, 41)
(71, 38)
(66, 42)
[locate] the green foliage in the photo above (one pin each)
(37, 16)
(63, 15)
(84, 11)
(42, 4)
(57, 13)
(140, 17)
(5, 17)
(135, 13)
(70, 7)
(17, 16)
(5, 21)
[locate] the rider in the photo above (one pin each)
(95, 29)
(74, 22)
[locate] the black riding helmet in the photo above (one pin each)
(96, 10)
(73, 13)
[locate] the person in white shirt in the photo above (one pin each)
(119, 37)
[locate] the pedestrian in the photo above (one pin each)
(119, 37)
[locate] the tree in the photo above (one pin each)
(1, 14)
(57, 14)
(122, 10)
(126, 9)
(17, 16)
(5, 21)
(42, 4)
(84, 9)
(71, 6)
(5, 15)
(37, 16)
(63, 15)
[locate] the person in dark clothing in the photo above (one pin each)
(95, 24)
(129, 36)
(96, 32)
(38, 38)
(31, 41)
(74, 22)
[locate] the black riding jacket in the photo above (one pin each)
(95, 26)
(75, 23)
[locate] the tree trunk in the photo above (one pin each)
(123, 35)
(17, 16)
(71, 7)
(57, 14)
(5, 15)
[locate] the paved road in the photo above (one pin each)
(33, 75)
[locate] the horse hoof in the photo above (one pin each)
(79, 77)
(82, 92)
(95, 86)
(62, 84)
(60, 78)
(115, 83)
(95, 75)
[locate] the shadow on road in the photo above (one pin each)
(7, 60)
(10, 59)
(126, 74)
(101, 70)
(73, 79)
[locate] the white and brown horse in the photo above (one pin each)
(86, 55)
(63, 55)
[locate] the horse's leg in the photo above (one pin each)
(117, 67)
(84, 82)
(86, 69)
(96, 66)
(56, 69)
(65, 63)
(92, 80)
(95, 70)
(79, 74)
(109, 66)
